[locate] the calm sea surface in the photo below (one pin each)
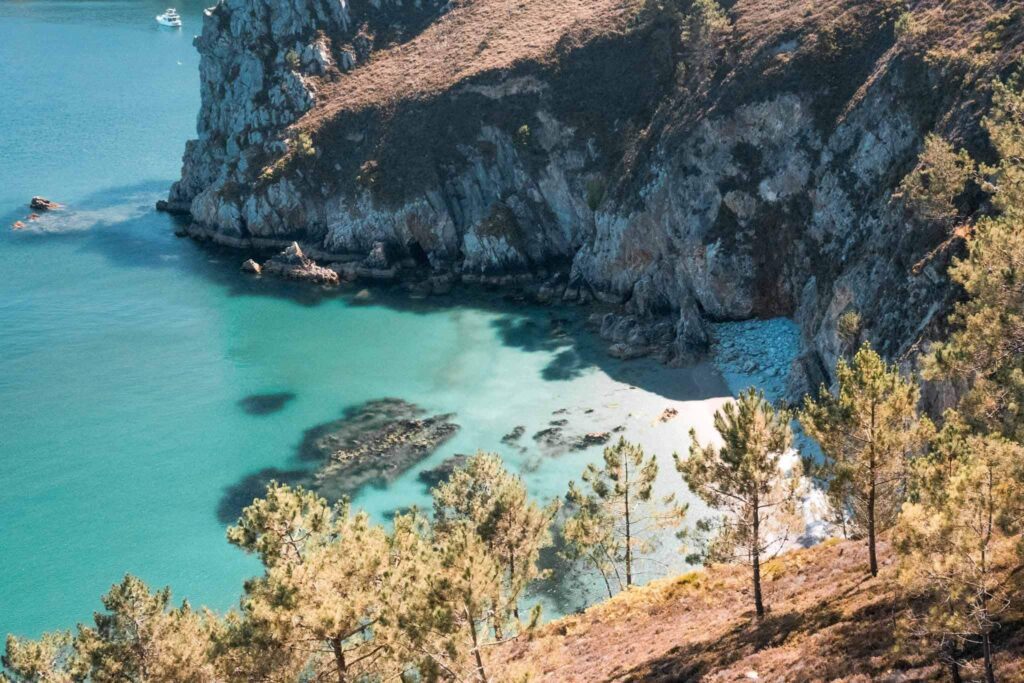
(124, 352)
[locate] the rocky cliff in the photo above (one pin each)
(678, 160)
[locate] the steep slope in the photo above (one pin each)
(827, 621)
(653, 155)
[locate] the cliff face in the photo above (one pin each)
(681, 163)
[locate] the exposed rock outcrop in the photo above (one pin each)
(294, 265)
(43, 204)
(624, 152)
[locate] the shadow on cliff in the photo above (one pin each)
(120, 225)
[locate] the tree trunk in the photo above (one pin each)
(607, 583)
(476, 651)
(954, 671)
(990, 672)
(950, 652)
(339, 659)
(952, 656)
(512, 581)
(629, 543)
(872, 557)
(756, 558)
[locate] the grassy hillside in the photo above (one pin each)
(828, 620)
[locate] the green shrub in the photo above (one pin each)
(304, 145)
(941, 175)
(523, 136)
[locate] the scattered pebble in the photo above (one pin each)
(756, 353)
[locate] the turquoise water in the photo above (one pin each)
(124, 352)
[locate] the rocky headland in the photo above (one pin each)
(671, 163)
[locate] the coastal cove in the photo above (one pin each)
(148, 388)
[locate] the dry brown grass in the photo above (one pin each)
(473, 37)
(828, 621)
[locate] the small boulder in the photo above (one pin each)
(292, 254)
(378, 259)
(628, 352)
(591, 439)
(293, 264)
(43, 204)
(422, 288)
(250, 266)
(17, 225)
(442, 284)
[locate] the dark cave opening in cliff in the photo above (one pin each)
(417, 253)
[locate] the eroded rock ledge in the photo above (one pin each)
(611, 151)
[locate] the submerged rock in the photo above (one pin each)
(265, 404)
(515, 435)
(551, 437)
(373, 444)
(370, 444)
(591, 439)
(294, 265)
(443, 472)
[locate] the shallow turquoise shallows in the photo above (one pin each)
(124, 352)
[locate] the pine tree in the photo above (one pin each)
(495, 502)
(744, 479)
(38, 661)
(450, 622)
(141, 639)
(949, 541)
(987, 348)
(940, 176)
(868, 432)
(619, 521)
(320, 606)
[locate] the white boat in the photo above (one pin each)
(169, 18)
